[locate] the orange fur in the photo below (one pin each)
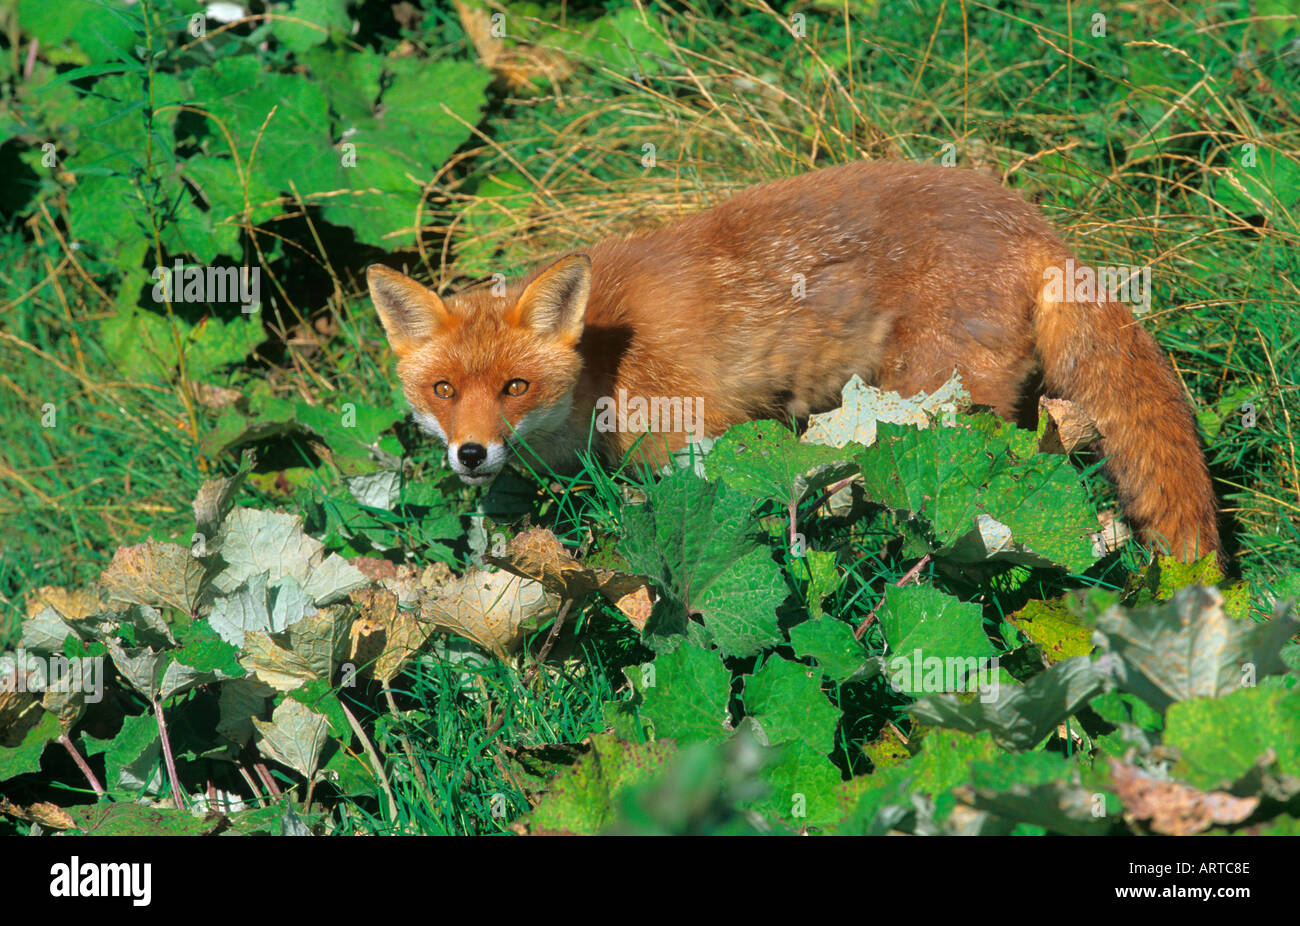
(767, 304)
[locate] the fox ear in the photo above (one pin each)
(556, 302)
(411, 313)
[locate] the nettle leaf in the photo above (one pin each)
(923, 624)
(697, 542)
(686, 698)
(295, 736)
(252, 542)
(1018, 716)
(1220, 740)
(308, 23)
(1190, 647)
(586, 798)
(804, 787)
(764, 459)
(787, 701)
(832, 644)
(984, 492)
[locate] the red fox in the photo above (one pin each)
(766, 305)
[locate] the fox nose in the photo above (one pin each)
(471, 455)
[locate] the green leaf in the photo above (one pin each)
(985, 493)
(787, 701)
(765, 460)
(584, 799)
(687, 697)
(306, 23)
(1261, 181)
(130, 819)
(1221, 739)
(204, 651)
(131, 758)
(832, 644)
(26, 757)
(1051, 627)
(697, 542)
(804, 787)
(922, 623)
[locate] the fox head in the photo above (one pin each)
(484, 373)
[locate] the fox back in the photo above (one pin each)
(766, 305)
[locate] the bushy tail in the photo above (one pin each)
(1096, 355)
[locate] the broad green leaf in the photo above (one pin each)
(687, 697)
(832, 644)
(697, 542)
(26, 757)
(926, 628)
(765, 460)
(302, 24)
(804, 787)
(787, 701)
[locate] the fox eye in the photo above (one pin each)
(443, 389)
(517, 387)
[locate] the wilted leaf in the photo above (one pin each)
(538, 554)
(1051, 627)
(1189, 647)
(585, 798)
(497, 610)
(862, 406)
(252, 542)
(1020, 716)
(271, 663)
(1176, 809)
(156, 574)
(71, 605)
(294, 736)
(214, 500)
